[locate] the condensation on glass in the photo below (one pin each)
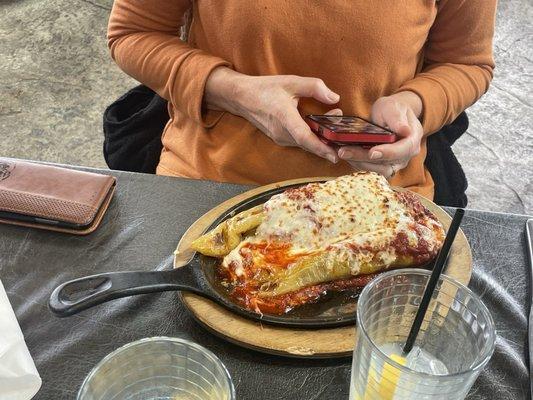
(455, 342)
(159, 368)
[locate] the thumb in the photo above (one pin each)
(315, 88)
(395, 118)
(335, 111)
(402, 130)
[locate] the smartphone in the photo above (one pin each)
(349, 130)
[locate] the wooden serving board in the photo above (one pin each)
(317, 343)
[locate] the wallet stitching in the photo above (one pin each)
(47, 197)
(103, 192)
(93, 209)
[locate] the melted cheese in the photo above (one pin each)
(319, 214)
(354, 217)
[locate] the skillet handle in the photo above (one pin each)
(79, 294)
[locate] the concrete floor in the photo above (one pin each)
(56, 78)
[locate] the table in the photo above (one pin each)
(140, 231)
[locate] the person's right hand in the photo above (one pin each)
(270, 103)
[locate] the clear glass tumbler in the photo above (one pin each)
(454, 344)
(159, 368)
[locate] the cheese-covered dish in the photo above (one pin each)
(320, 237)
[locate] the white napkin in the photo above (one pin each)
(19, 379)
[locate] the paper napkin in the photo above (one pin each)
(19, 379)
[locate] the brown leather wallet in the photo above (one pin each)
(54, 198)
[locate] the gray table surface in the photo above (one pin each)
(140, 231)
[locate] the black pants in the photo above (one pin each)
(134, 123)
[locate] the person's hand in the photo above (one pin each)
(270, 103)
(399, 113)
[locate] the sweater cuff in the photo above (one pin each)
(434, 101)
(189, 86)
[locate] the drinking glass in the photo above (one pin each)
(159, 368)
(454, 344)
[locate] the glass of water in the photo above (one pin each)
(160, 368)
(454, 344)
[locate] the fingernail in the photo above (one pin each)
(333, 97)
(344, 154)
(332, 158)
(376, 155)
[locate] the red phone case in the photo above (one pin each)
(346, 138)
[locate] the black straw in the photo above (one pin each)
(433, 280)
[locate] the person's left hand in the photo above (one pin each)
(399, 113)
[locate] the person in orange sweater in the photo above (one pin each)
(238, 87)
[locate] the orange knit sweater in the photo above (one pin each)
(441, 50)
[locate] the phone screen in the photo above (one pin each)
(348, 124)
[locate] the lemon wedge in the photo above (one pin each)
(382, 387)
(390, 377)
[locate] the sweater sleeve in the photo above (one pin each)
(458, 63)
(143, 36)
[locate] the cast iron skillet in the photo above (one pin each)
(198, 276)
